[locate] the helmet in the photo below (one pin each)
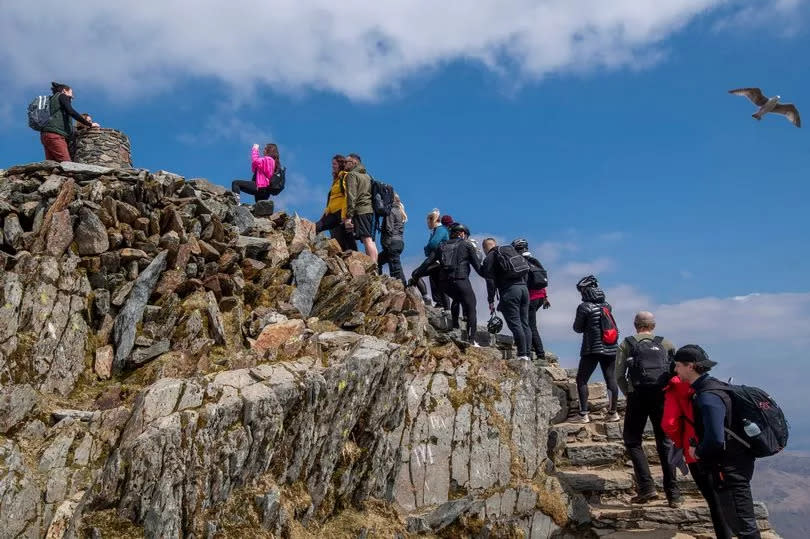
(495, 324)
(520, 245)
(458, 227)
(587, 282)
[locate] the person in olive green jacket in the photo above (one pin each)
(54, 136)
(359, 211)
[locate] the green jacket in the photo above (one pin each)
(358, 192)
(60, 123)
(621, 360)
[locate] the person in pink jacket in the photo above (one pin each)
(263, 169)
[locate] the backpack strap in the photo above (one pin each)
(658, 339)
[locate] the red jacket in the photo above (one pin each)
(678, 420)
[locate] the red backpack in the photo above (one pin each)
(610, 333)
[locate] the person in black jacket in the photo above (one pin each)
(728, 464)
(455, 256)
(594, 350)
(538, 298)
(514, 302)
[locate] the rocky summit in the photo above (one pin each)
(175, 364)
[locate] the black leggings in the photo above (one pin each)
(334, 224)
(249, 187)
(392, 249)
(587, 364)
(537, 342)
(461, 291)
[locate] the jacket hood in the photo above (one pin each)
(679, 388)
(359, 169)
(593, 294)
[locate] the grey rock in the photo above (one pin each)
(16, 402)
(91, 234)
(51, 186)
(594, 454)
(242, 219)
(442, 516)
(201, 184)
(12, 231)
(263, 208)
(143, 355)
(72, 166)
(308, 270)
(130, 315)
(216, 327)
(254, 248)
(77, 415)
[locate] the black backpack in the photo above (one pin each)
(537, 277)
(511, 264)
(607, 325)
(648, 362)
(39, 112)
(752, 410)
(382, 198)
(449, 257)
(277, 181)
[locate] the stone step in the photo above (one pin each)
(596, 480)
(594, 453)
(694, 512)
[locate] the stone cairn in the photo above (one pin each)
(104, 147)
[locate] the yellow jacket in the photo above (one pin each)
(337, 196)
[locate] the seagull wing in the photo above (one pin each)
(754, 94)
(789, 111)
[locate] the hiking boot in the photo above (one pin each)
(612, 418)
(644, 497)
(581, 418)
(675, 501)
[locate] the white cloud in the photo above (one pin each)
(356, 48)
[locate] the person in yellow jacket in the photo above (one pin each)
(335, 212)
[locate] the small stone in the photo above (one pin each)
(274, 335)
(91, 234)
(263, 208)
(104, 361)
(170, 281)
(144, 355)
(303, 235)
(128, 254)
(242, 219)
(170, 240)
(207, 251)
(51, 186)
(101, 303)
(251, 268)
(126, 212)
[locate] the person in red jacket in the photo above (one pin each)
(678, 424)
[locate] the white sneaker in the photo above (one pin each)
(524, 358)
(612, 418)
(476, 345)
(580, 418)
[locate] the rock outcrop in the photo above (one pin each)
(175, 364)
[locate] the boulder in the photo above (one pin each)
(16, 402)
(91, 234)
(308, 270)
(274, 335)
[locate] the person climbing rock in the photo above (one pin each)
(392, 240)
(263, 168)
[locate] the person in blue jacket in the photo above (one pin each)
(440, 233)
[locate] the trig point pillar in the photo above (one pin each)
(104, 147)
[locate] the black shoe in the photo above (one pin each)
(645, 497)
(675, 501)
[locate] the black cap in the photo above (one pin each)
(692, 353)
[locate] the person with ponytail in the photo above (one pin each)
(263, 168)
(392, 239)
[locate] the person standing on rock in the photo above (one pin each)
(392, 239)
(335, 212)
(505, 271)
(643, 367)
(359, 218)
(59, 129)
(599, 345)
(726, 461)
(678, 423)
(263, 168)
(439, 227)
(537, 280)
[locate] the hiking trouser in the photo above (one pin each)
(732, 483)
(249, 187)
(642, 404)
(514, 305)
(537, 342)
(334, 224)
(704, 483)
(461, 291)
(56, 147)
(587, 364)
(392, 249)
(437, 291)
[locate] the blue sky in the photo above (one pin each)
(602, 132)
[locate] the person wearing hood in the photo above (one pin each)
(59, 129)
(359, 211)
(678, 422)
(595, 351)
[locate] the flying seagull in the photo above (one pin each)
(766, 105)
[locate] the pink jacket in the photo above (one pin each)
(263, 167)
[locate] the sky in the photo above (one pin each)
(602, 132)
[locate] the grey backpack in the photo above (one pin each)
(39, 112)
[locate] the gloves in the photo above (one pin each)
(546, 303)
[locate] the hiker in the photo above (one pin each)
(599, 346)
(263, 169)
(678, 422)
(359, 218)
(391, 239)
(643, 367)
(537, 280)
(455, 257)
(505, 271)
(55, 134)
(726, 461)
(335, 212)
(439, 233)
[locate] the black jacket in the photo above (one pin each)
(495, 280)
(587, 323)
(466, 256)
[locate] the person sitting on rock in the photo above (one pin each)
(335, 212)
(359, 218)
(643, 366)
(59, 129)
(596, 349)
(392, 239)
(263, 169)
